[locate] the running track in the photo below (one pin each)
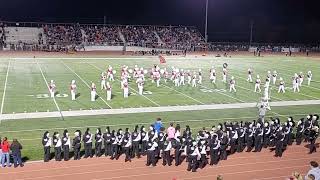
(240, 166)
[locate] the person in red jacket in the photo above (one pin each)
(5, 146)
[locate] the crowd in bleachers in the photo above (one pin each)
(69, 36)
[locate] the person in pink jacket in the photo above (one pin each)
(171, 131)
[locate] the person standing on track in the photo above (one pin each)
(57, 146)
(5, 157)
(107, 142)
(46, 142)
(98, 144)
(151, 148)
(16, 153)
(76, 144)
(66, 145)
(87, 140)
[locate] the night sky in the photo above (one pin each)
(283, 21)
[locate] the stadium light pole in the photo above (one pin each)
(206, 23)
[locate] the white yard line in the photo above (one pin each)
(85, 83)
(4, 91)
(129, 86)
(26, 116)
(222, 93)
(54, 99)
(183, 94)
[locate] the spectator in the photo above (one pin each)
(315, 171)
(158, 125)
(16, 153)
(5, 146)
(171, 131)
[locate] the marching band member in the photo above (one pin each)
(52, 88)
(182, 77)
(267, 84)
(269, 76)
(274, 77)
(140, 85)
(250, 75)
(213, 75)
(135, 71)
(57, 146)
(194, 80)
(114, 144)
(165, 75)
(232, 85)
(266, 93)
(110, 73)
(309, 76)
(151, 148)
(281, 86)
(46, 142)
(257, 85)
(76, 143)
(224, 74)
(98, 144)
(300, 78)
(109, 89)
(156, 75)
(136, 139)
(200, 77)
(166, 153)
(173, 72)
(214, 150)
(126, 145)
(103, 81)
(107, 141)
(87, 140)
(66, 143)
(189, 76)
(93, 92)
(125, 89)
(295, 83)
(73, 89)
(176, 78)
(194, 155)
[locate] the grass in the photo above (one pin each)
(25, 84)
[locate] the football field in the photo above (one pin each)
(23, 90)
(26, 86)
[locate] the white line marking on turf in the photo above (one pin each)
(27, 116)
(129, 86)
(183, 94)
(54, 99)
(223, 94)
(85, 83)
(4, 91)
(175, 121)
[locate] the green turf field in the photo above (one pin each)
(26, 91)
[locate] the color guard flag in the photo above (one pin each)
(162, 59)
